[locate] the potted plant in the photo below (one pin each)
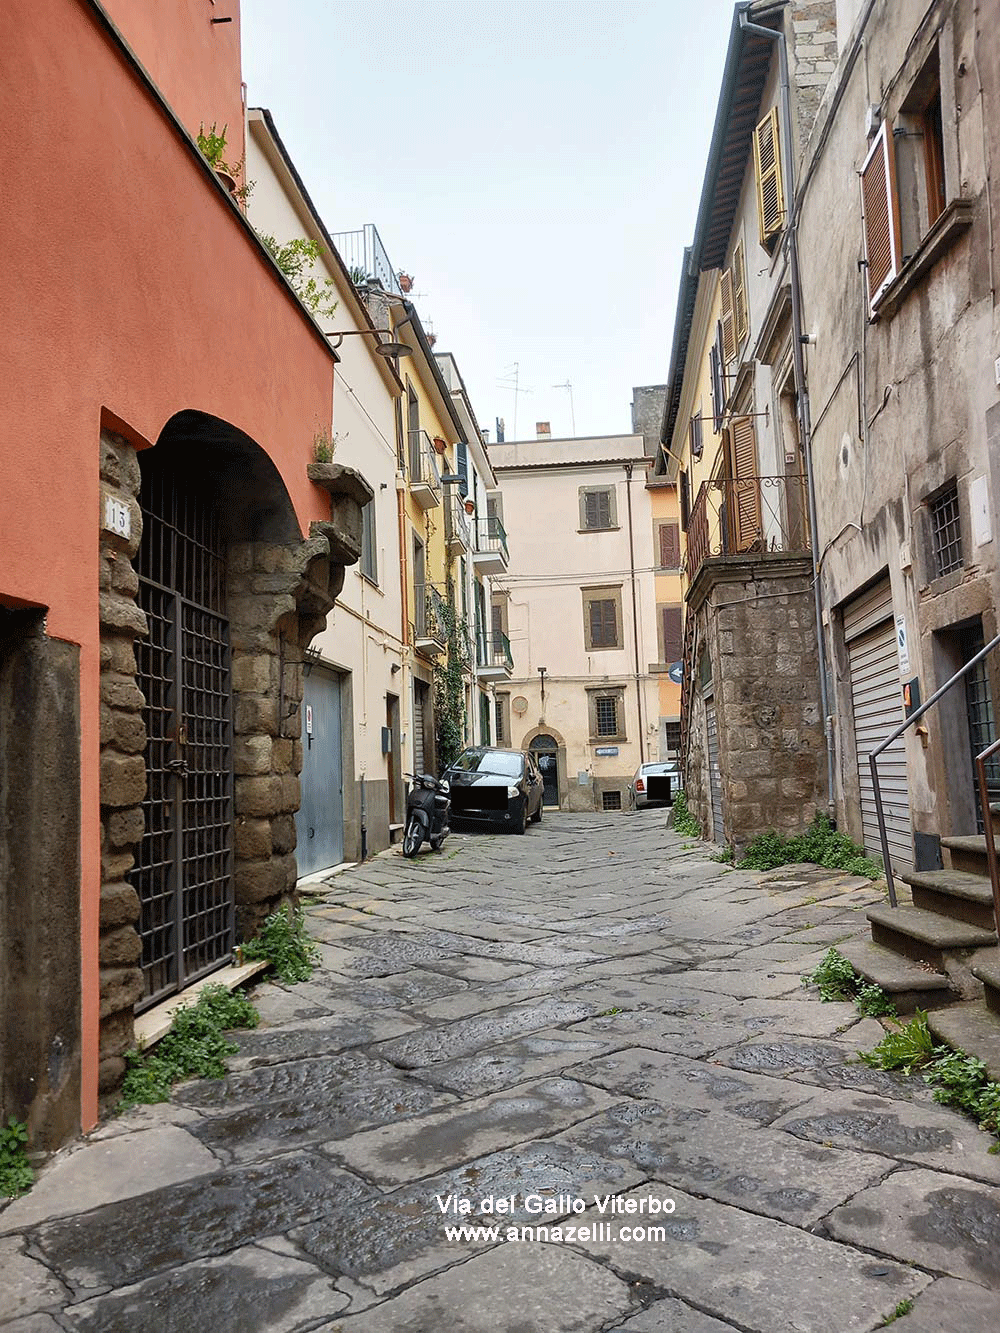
(470, 508)
(439, 445)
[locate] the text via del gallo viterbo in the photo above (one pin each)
(564, 1218)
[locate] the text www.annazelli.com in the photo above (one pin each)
(566, 1234)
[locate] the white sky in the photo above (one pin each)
(534, 164)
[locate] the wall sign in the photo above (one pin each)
(606, 749)
(117, 517)
(904, 652)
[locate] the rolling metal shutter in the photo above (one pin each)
(418, 728)
(878, 709)
(714, 776)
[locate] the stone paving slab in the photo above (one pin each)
(939, 1221)
(510, 1289)
(26, 1286)
(291, 1078)
(948, 1303)
(393, 1239)
(252, 1289)
(315, 1037)
(513, 1062)
(923, 1134)
(720, 1156)
(395, 1154)
(678, 1081)
(784, 1056)
(673, 1316)
(757, 1273)
(122, 1243)
(469, 1035)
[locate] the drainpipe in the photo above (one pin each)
(798, 369)
(635, 613)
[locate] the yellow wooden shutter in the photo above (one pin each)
(881, 215)
(770, 187)
(740, 294)
(745, 497)
(728, 331)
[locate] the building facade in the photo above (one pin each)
(580, 613)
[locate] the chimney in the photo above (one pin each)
(543, 430)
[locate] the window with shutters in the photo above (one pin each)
(672, 737)
(717, 367)
(462, 466)
(369, 555)
(743, 501)
(727, 322)
(602, 618)
(606, 708)
(770, 186)
(671, 631)
(741, 315)
(880, 214)
(684, 497)
(597, 508)
(695, 436)
(670, 546)
(501, 719)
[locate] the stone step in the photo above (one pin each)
(953, 893)
(909, 985)
(967, 853)
(972, 1028)
(924, 936)
(987, 970)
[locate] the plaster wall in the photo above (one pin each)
(667, 591)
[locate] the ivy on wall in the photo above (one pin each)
(449, 682)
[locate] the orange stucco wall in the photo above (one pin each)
(130, 286)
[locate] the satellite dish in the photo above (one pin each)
(676, 672)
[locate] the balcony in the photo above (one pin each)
(456, 527)
(751, 516)
(363, 253)
(425, 479)
(494, 660)
(428, 630)
(490, 555)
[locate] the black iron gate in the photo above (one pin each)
(183, 871)
(979, 708)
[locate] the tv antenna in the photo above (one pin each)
(511, 381)
(572, 417)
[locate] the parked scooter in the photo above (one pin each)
(427, 808)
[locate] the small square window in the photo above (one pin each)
(611, 800)
(607, 716)
(946, 531)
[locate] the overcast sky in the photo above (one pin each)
(534, 164)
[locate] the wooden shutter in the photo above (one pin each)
(740, 312)
(684, 495)
(462, 466)
(770, 187)
(745, 496)
(597, 509)
(697, 440)
(880, 210)
(670, 546)
(496, 621)
(603, 624)
(672, 617)
(717, 367)
(727, 321)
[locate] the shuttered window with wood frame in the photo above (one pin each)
(696, 438)
(717, 369)
(671, 628)
(770, 186)
(740, 312)
(880, 210)
(744, 498)
(670, 546)
(684, 496)
(728, 320)
(603, 624)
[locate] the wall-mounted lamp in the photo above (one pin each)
(394, 667)
(541, 672)
(311, 657)
(388, 349)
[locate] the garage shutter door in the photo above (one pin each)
(419, 693)
(714, 776)
(878, 710)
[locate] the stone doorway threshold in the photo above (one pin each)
(318, 876)
(155, 1023)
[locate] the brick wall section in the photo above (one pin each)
(812, 58)
(123, 764)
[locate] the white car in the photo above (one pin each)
(655, 784)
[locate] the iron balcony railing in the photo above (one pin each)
(457, 531)
(428, 617)
(750, 514)
(422, 459)
(363, 253)
(494, 651)
(490, 536)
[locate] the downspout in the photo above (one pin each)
(635, 612)
(798, 370)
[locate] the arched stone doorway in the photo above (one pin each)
(545, 749)
(207, 606)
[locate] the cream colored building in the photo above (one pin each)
(579, 611)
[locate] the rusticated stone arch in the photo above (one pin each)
(279, 588)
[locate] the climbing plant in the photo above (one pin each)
(295, 258)
(449, 680)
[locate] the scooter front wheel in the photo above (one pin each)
(413, 836)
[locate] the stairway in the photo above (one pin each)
(941, 947)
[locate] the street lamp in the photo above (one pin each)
(388, 349)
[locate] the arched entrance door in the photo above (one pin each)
(184, 865)
(544, 748)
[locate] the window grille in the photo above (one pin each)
(946, 531)
(606, 709)
(611, 800)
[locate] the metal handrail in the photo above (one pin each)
(991, 846)
(873, 758)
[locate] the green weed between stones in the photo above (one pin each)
(682, 820)
(837, 980)
(958, 1079)
(902, 1308)
(195, 1047)
(16, 1175)
(285, 943)
(820, 845)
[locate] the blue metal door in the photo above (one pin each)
(320, 820)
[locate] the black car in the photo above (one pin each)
(499, 788)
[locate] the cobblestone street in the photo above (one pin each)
(591, 1010)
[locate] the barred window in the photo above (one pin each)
(607, 716)
(946, 531)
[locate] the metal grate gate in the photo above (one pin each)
(183, 871)
(979, 707)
